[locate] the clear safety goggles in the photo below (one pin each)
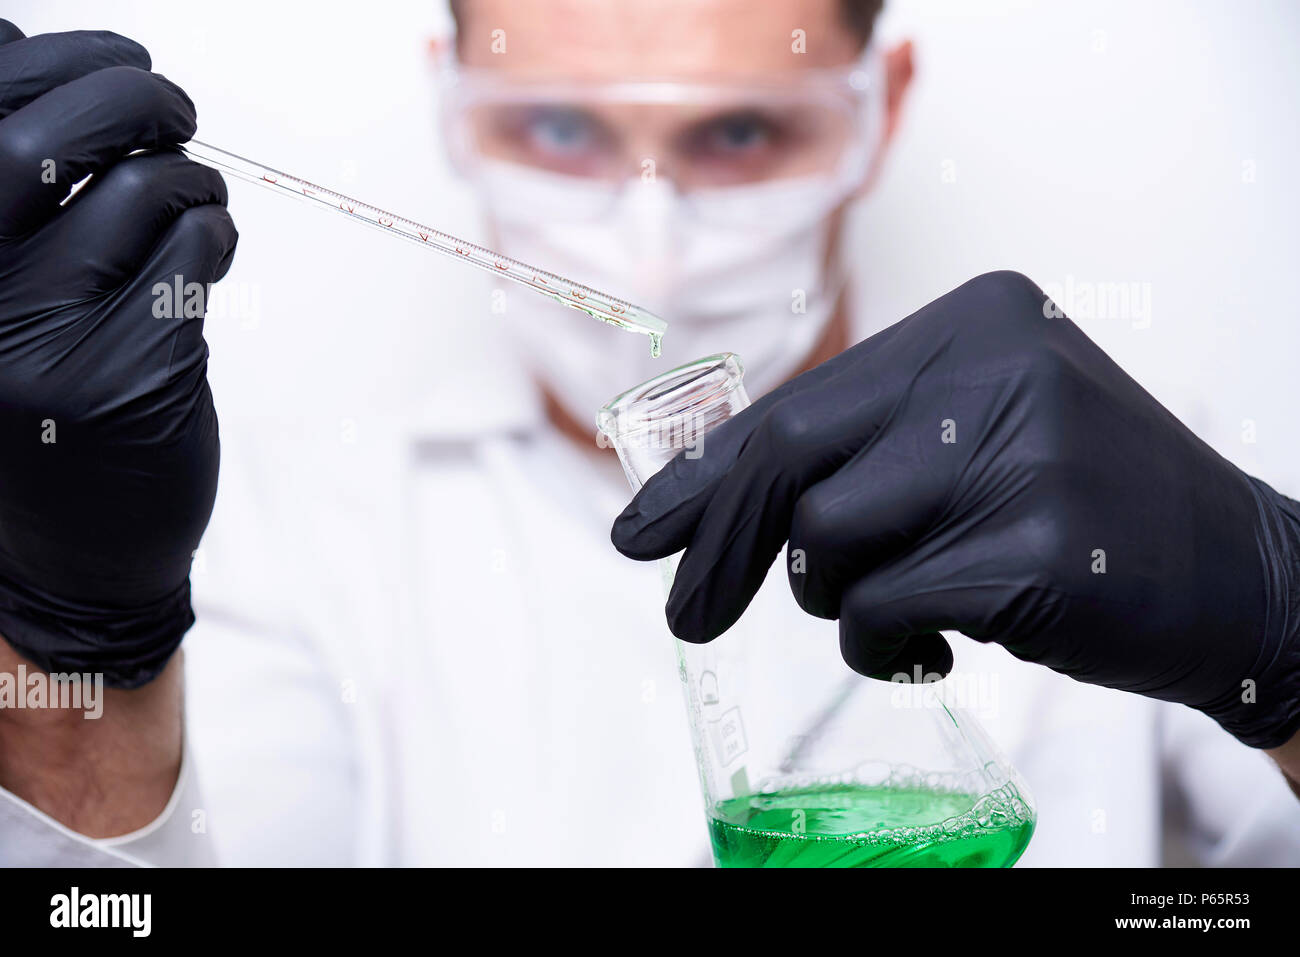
(713, 141)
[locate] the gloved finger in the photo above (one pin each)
(886, 498)
(796, 445)
(882, 635)
(79, 128)
(662, 517)
(114, 223)
(948, 588)
(9, 32)
(139, 354)
(749, 516)
(919, 658)
(199, 248)
(32, 66)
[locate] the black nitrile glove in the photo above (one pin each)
(108, 437)
(982, 467)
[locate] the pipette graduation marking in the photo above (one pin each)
(598, 305)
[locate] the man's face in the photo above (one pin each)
(694, 156)
(735, 113)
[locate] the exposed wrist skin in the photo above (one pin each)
(104, 776)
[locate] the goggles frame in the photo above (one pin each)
(856, 89)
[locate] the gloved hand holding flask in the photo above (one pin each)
(982, 466)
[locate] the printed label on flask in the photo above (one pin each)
(728, 736)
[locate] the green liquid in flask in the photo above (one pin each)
(854, 825)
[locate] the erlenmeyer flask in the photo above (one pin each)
(802, 762)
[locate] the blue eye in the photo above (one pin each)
(561, 130)
(562, 137)
(740, 133)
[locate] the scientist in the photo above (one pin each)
(425, 654)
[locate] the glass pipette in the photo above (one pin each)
(598, 305)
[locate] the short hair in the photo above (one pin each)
(858, 15)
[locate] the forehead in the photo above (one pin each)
(618, 39)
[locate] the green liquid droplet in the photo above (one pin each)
(650, 325)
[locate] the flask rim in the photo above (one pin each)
(688, 389)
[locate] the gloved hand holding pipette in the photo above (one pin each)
(982, 466)
(106, 421)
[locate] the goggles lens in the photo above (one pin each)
(700, 146)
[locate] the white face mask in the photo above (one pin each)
(761, 290)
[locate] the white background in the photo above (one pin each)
(1098, 141)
